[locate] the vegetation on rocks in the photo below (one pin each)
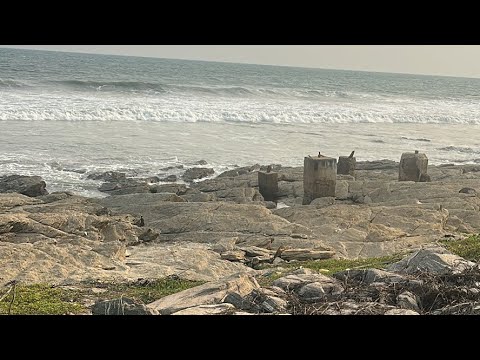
(468, 248)
(44, 299)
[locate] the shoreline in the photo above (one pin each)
(219, 227)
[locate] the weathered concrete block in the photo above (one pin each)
(413, 167)
(319, 177)
(346, 165)
(268, 185)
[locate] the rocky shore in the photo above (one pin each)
(250, 255)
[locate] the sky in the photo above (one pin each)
(448, 60)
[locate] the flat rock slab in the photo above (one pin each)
(208, 294)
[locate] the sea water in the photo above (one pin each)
(66, 115)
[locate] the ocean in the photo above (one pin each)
(66, 115)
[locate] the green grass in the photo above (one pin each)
(468, 248)
(149, 292)
(41, 299)
(331, 266)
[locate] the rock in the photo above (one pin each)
(303, 271)
(108, 176)
(152, 179)
(241, 302)
(434, 260)
(467, 190)
(172, 167)
(407, 300)
(216, 309)
(369, 276)
(169, 178)
(210, 293)
(226, 244)
(200, 162)
(133, 203)
(148, 235)
(189, 260)
(323, 201)
(197, 173)
(319, 290)
(270, 204)
(56, 196)
(200, 197)
(240, 195)
(178, 189)
(233, 255)
(122, 306)
(306, 254)
(278, 261)
(113, 249)
(377, 165)
(27, 185)
(273, 304)
(401, 312)
(234, 172)
(295, 282)
(252, 251)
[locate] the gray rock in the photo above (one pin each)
(369, 276)
(295, 282)
(215, 309)
(108, 176)
(467, 190)
(225, 244)
(170, 178)
(200, 162)
(407, 300)
(323, 201)
(252, 251)
(27, 185)
(434, 260)
(197, 173)
(200, 197)
(306, 254)
(122, 306)
(273, 304)
(320, 290)
(233, 255)
(210, 293)
(241, 302)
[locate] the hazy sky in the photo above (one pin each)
(452, 60)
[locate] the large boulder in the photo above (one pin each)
(26, 185)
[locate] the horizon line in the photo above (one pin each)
(244, 63)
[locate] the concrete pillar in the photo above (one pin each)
(268, 185)
(413, 167)
(346, 165)
(319, 177)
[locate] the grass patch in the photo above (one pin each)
(41, 299)
(149, 291)
(468, 248)
(329, 266)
